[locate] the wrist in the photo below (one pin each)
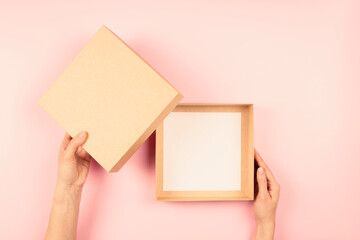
(67, 194)
(64, 211)
(265, 229)
(266, 223)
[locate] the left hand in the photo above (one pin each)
(73, 168)
(73, 161)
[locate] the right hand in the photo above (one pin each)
(268, 195)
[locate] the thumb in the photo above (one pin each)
(262, 182)
(76, 142)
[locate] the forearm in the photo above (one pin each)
(264, 231)
(64, 213)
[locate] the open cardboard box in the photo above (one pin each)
(112, 93)
(206, 152)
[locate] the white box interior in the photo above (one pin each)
(202, 151)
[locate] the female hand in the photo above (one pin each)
(73, 168)
(266, 201)
(73, 161)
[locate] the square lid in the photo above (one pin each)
(113, 94)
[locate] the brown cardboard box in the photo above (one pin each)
(243, 162)
(114, 95)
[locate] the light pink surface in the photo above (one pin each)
(297, 61)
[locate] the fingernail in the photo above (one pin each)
(82, 134)
(261, 170)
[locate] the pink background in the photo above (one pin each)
(297, 61)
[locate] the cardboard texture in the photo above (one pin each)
(113, 94)
(194, 186)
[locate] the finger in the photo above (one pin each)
(274, 189)
(259, 159)
(75, 143)
(83, 154)
(262, 182)
(273, 186)
(66, 141)
(262, 164)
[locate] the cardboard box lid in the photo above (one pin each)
(113, 94)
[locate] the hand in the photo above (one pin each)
(266, 200)
(73, 161)
(73, 169)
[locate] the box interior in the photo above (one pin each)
(205, 152)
